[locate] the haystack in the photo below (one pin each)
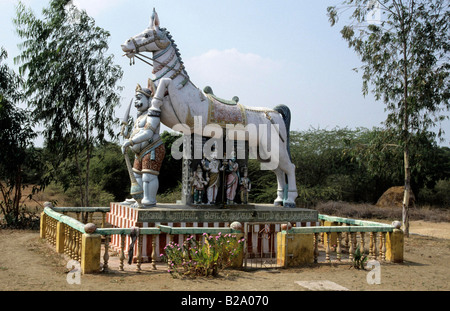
(393, 197)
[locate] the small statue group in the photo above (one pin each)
(206, 178)
(210, 183)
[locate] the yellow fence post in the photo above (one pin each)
(395, 246)
(333, 235)
(90, 253)
(60, 228)
(294, 249)
(42, 225)
(281, 249)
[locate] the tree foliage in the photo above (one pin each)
(70, 81)
(405, 56)
(16, 141)
(356, 165)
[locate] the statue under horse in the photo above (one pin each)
(182, 103)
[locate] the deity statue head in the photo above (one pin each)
(233, 156)
(245, 170)
(142, 98)
(199, 171)
(210, 154)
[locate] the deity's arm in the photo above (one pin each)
(146, 133)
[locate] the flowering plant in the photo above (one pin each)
(202, 258)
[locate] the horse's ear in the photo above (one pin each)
(151, 86)
(154, 22)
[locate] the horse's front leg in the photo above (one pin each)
(160, 92)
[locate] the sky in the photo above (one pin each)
(267, 53)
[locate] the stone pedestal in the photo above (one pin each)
(261, 217)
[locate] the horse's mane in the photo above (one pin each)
(177, 51)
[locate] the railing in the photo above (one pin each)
(81, 211)
(349, 234)
(83, 242)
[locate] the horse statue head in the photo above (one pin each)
(152, 39)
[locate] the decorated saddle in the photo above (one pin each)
(222, 112)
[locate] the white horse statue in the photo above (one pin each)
(182, 103)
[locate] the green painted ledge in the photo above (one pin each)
(328, 229)
(81, 209)
(355, 226)
(350, 221)
(75, 224)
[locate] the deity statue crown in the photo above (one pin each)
(145, 91)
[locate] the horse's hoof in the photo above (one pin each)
(278, 203)
(289, 204)
(148, 205)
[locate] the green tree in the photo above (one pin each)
(406, 61)
(171, 168)
(325, 171)
(16, 137)
(110, 172)
(70, 82)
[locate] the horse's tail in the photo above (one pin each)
(286, 114)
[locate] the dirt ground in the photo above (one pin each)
(28, 263)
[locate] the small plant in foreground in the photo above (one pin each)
(202, 258)
(359, 259)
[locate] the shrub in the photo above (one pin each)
(194, 258)
(439, 195)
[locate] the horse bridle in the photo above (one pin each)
(159, 44)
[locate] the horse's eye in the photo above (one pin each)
(146, 35)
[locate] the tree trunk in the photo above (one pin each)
(407, 191)
(18, 194)
(80, 181)
(88, 156)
